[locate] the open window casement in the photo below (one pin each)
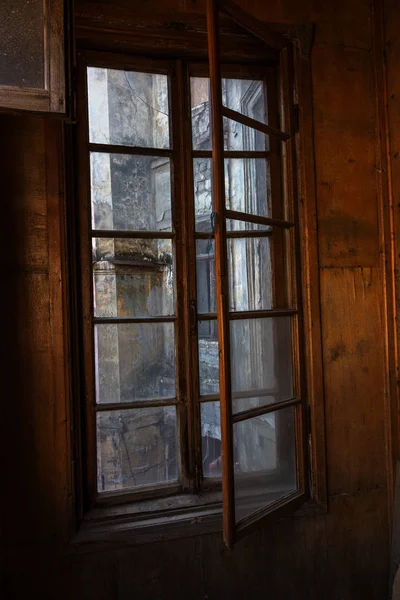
(262, 431)
(35, 49)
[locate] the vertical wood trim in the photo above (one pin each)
(55, 63)
(221, 262)
(389, 248)
(292, 253)
(89, 465)
(179, 216)
(55, 200)
(309, 258)
(190, 287)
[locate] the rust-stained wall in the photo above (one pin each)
(343, 555)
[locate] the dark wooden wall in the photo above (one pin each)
(342, 555)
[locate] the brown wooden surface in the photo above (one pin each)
(354, 373)
(345, 157)
(221, 266)
(391, 13)
(341, 555)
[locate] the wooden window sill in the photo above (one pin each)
(169, 518)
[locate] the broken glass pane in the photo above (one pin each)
(136, 448)
(128, 108)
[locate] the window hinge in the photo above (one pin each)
(296, 113)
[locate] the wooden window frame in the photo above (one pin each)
(210, 505)
(284, 135)
(53, 98)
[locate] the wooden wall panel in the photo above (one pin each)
(24, 199)
(345, 157)
(357, 562)
(342, 23)
(391, 10)
(353, 367)
(246, 571)
(29, 343)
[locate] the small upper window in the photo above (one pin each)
(34, 46)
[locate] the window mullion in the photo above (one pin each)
(191, 292)
(185, 418)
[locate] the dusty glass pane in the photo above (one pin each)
(247, 186)
(22, 43)
(136, 448)
(205, 276)
(134, 361)
(132, 277)
(208, 357)
(234, 225)
(203, 197)
(130, 192)
(247, 97)
(211, 439)
(264, 450)
(247, 189)
(128, 108)
(261, 361)
(250, 274)
(241, 95)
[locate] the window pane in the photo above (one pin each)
(211, 438)
(134, 361)
(132, 277)
(205, 276)
(247, 189)
(247, 97)
(208, 357)
(241, 95)
(247, 186)
(130, 192)
(200, 110)
(261, 361)
(136, 448)
(128, 108)
(203, 200)
(235, 225)
(250, 274)
(264, 461)
(22, 43)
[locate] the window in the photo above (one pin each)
(192, 335)
(34, 45)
